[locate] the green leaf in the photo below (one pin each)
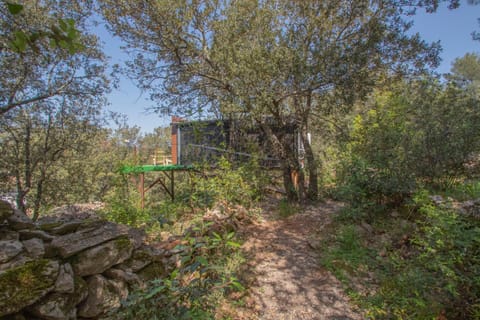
(233, 244)
(154, 291)
(237, 285)
(202, 260)
(53, 43)
(14, 8)
(63, 25)
(63, 44)
(20, 42)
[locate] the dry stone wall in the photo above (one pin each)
(71, 266)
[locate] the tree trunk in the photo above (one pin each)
(288, 184)
(38, 197)
(311, 167)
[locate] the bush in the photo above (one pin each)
(416, 133)
(235, 185)
(427, 268)
(208, 265)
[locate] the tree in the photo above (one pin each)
(154, 144)
(466, 72)
(50, 98)
(48, 67)
(64, 34)
(286, 61)
(416, 131)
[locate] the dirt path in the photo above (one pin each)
(288, 282)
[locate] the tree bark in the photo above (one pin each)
(311, 167)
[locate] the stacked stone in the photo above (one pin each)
(71, 268)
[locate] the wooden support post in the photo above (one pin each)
(142, 189)
(172, 183)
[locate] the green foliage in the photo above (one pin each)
(348, 255)
(286, 209)
(462, 190)
(418, 132)
(62, 35)
(421, 269)
(234, 185)
(14, 8)
(123, 205)
(208, 263)
(266, 60)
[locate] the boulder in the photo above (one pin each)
(70, 244)
(17, 261)
(7, 234)
(153, 271)
(28, 234)
(9, 249)
(55, 306)
(6, 210)
(24, 285)
(142, 257)
(138, 237)
(65, 281)
(34, 247)
(58, 306)
(122, 275)
(103, 295)
(61, 228)
(100, 258)
(19, 220)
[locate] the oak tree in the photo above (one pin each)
(275, 62)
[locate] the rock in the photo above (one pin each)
(65, 281)
(58, 306)
(103, 295)
(59, 228)
(17, 261)
(81, 290)
(29, 234)
(6, 210)
(470, 208)
(437, 199)
(9, 249)
(314, 243)
(80, 211)
(24, 285)
(7, 234)
(125, 276)
(55, 306)
(70, 244)
(19, 220)
(34, 247)
(98, 259)
(153, 271)
(138, 261)
(367, 227)
(137, 236)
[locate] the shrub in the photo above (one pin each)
(416, 133)
(208, 266)
(427, 269)
(235, 185)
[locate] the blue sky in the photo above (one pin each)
(452, 27)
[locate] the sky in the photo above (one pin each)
(452, 28)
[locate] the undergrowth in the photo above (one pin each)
(208, 259)
(206, 272)
(420, 261)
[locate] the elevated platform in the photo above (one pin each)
(167, 180)
(151, 167)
